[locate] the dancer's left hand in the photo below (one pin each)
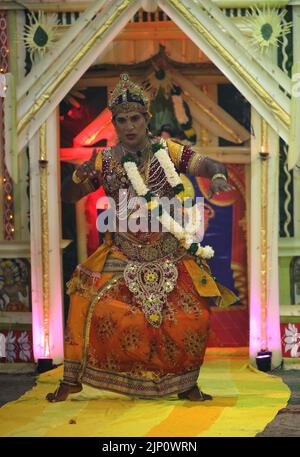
(219, 185)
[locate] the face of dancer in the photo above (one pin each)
(131, 128)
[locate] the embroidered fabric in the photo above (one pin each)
(150, 282)
(147, 252)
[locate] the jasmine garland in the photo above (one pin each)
(186, 238)
(140, 219)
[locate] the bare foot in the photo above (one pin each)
(62, 392)
(194, 394)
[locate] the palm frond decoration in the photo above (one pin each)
(159, 80)
(266, 26)
(40, 34)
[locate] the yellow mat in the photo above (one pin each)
(245, 401)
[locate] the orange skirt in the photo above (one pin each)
(110, 345)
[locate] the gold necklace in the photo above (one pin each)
(127, 151)
(145, 168)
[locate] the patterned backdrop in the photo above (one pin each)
(226, 233)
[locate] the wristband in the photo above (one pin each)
(219, 176)
(75, 178)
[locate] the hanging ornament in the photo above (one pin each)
(183, 115)
(159, 80)
(40, 34)
(266, 27)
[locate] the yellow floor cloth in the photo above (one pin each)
(245, 401)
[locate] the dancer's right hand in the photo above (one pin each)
(87, 169)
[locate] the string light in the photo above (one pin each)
(9, 228)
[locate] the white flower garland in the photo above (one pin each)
(179, 109)
(168, 166)
(184, 235)
(174, 180)
(191, 226)
(135, 178)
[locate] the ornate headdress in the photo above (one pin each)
(128, 96)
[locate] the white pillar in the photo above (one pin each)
(23, 164)
(54, 237)
(55, 260)
(254, 241)
(2, 345)
(273, 311)
(36, 250)
(296, 51)
(273, 314)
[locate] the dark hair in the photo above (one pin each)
(167, 128)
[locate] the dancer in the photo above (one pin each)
(139, 314)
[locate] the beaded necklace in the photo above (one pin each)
(184, 235)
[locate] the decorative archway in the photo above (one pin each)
(40, 93)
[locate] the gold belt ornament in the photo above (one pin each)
(165, 246)
(150, 282)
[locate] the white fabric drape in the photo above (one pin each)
(2, 345)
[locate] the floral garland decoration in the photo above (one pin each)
(160, 81)
(183, 115)
(183, 235)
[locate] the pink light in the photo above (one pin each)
(44, 347)
(76, 155)
(47, 352)
(56, 339)
(100, 128)
(255, 343)
(37, 316)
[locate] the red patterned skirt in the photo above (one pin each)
(110, 345)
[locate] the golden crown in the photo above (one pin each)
(127, 96)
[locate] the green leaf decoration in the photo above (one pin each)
(156, 147)
(148, 196)
(127, 158)
(193, 248)
(179, 188)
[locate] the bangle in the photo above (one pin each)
(219, 176)
(75, 178)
